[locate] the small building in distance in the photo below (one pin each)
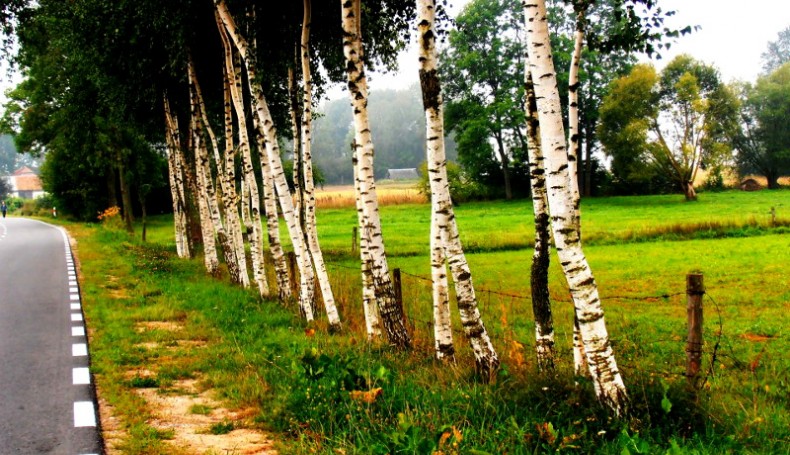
(25, 184)
(403, 174)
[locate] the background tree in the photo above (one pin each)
(777, 53)
(678, 121)
(763, 140)
(482, 68)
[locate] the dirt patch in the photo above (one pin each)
(167, 326)
(174, 409)
(753, 337)
(111, 428)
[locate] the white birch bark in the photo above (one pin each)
(607, 380)
(372, 318)
(391, 314)
(256, 236)
(234, 201)
(281, 268)
(206, 226)
(176, 179)
(308, 200)
(573, 111)
(541, 256)
(225, 238)
(273, 155)
(437, 178)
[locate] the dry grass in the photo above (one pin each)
(335, 197)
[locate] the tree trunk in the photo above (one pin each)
(443, 219)
(688, 191)
(209, 248)
(541, 258)
(372, 318)
(308, 199)
(391, 314)
(126, 196)
(266, 123)
(505, 166)
(607, 380)
(573, 112)
(296, 127)
(176, 178)
(589, 134)
(112, 196)
(237, 98)
(233, 202)
(225, 239)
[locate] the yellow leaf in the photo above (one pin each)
(366, 396)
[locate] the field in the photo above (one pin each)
(158, 323)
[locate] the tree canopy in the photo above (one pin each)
(763, 140)
(677, 121)
(777, 52)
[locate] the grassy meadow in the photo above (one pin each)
(160, 328)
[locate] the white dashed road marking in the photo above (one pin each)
(84, 414)
(79, 350)
(81, 376)
(76, 317)
(78, 331)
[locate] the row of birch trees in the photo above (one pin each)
(231, 79)
(221, 206)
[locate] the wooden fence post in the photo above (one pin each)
(354, 242)
(293, 271)
(398, 289)
(773, 216)
(695, 289)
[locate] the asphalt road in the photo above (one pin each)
(47, 401)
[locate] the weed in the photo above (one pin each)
(221, 428)
(200, 409)
(143, 382)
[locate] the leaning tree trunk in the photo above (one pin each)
(573, 112)
(176, 177)
(233, 202)
(391, 314)
(266, 123)
(541, 257)
(207, 230)
(372, 318)
(256, 236)
(308, 186)
(225, 239)
(443, 219)
(281, 269)
(296, 128)
(607, 380)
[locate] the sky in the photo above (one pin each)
(732, 36)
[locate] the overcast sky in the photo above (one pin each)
(732, 37)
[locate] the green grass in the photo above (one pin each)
(257, 354)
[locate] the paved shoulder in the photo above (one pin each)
(48, 401)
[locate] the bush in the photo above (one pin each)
(462, 188)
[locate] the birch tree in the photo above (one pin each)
(541, 256)
(308, 201)
(227, 236)
(391, 314)
(175, 162)
(445, 240)
(608, 382)
(266, 123)
(233, 203)
(236, 98)
(201, 193)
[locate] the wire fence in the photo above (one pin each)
(509, 322)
